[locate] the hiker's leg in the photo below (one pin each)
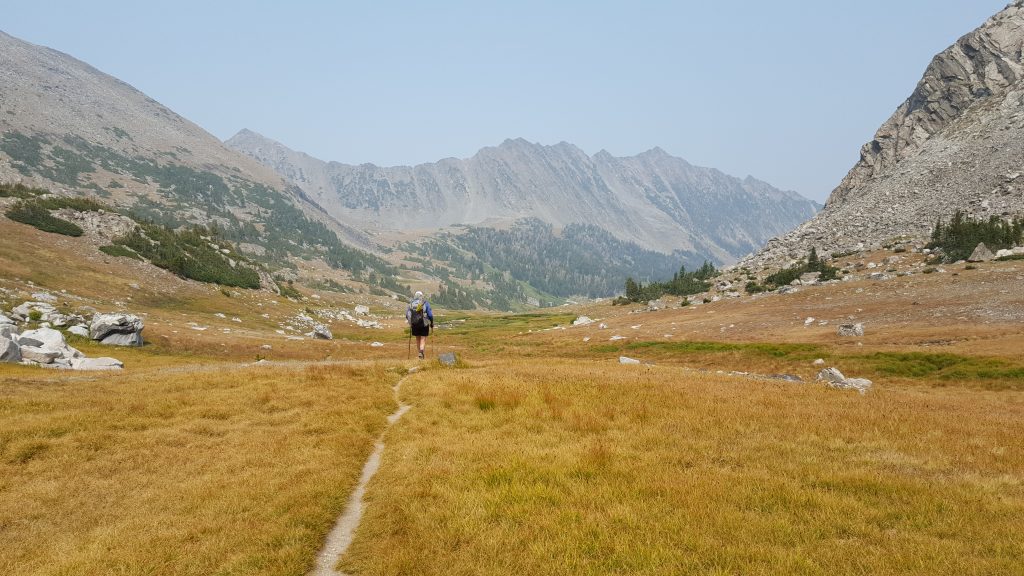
(421, 342)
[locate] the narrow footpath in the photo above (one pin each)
(340, 537)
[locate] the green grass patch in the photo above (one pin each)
(944, 366)
(512, 323)
(1010, 257)
(797, 351)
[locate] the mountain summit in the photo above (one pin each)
(653, 199)
(957, 143)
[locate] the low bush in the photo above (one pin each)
(35, 215)
(119, 251)
(189, 254)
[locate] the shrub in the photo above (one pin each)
(812, 264)
(754, 288)
(19, 191)
(35, 315)
(39, 217)
(187, 254)
(119, 251)
(288, 290)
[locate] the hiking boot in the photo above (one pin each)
(421, 354)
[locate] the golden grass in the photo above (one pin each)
(212, 469)
(593, 468)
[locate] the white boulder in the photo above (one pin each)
(117, 329)
(39, 355)
(9, 351)
(96, 364)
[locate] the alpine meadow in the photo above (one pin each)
(221, 355)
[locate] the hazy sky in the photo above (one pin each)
(786, 91)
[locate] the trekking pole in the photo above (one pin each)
(408, 348)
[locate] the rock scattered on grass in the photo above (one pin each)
(853, 330)
(833, 378)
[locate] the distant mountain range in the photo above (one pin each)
(74, 130)
(656, 200)
(957, 143)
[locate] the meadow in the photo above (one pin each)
(594, 468)
(208, 468)
(232, 450)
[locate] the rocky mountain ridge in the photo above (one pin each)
(71, 129)
(957, 143)
(653, 199)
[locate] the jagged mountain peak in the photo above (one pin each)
(656, 200)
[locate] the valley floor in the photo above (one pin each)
(539, 453)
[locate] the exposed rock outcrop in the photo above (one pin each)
(956, 144)
(117, 329)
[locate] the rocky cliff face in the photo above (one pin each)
(658, 201)
(956, 144)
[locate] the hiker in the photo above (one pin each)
(421, 320)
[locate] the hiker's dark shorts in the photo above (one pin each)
(421, 330)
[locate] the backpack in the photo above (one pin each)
(417, 317)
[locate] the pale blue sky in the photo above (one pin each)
(786, 91)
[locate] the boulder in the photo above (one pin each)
(831, 375)
(834, 379)
(582, 321)
(819, 362)
(360, 309)
(786, 377)
(854, 330)
(1004, 253)
(47, 338)
(322, 332)
(861, 385)
(9, 351)
(809, 277)
(39, 355)
(96, 364)
(79, 330)
(981, 254)
(448, 359)
(628, 360)
(23, 311)
(655, 305)
(117, 329)
(133, 339)
(9, 331)
(5, 320)
(44, 297)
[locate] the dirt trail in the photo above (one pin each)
(340, 537)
